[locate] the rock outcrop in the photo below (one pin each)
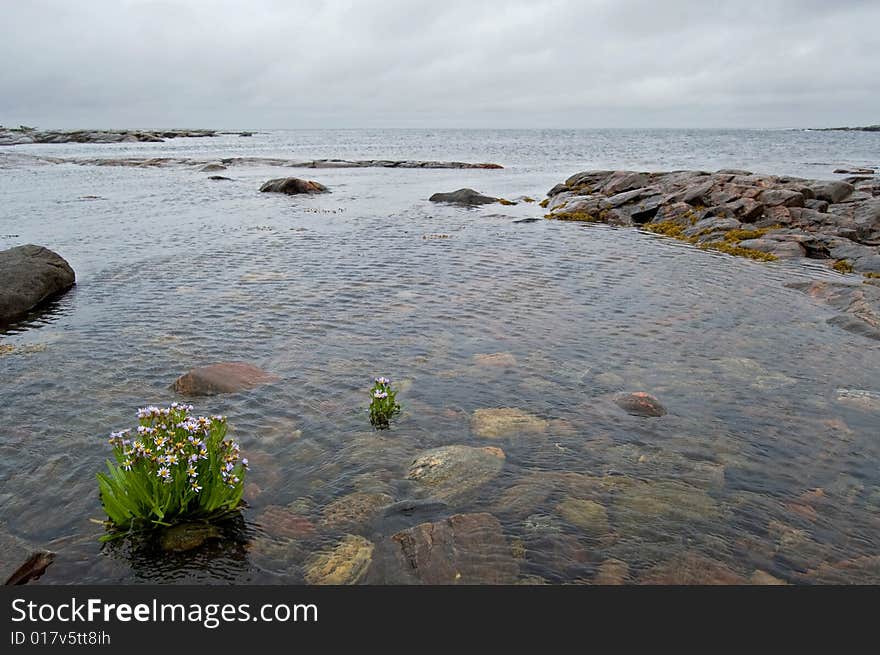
(29, 276)
(764, 217)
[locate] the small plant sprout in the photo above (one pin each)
(383, 403)
(173, 467)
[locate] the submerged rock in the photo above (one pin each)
(284, 522)
(646, 506)
(523, 498)
(226, 377)
(692, 569)
(187, 536)
(30, 275)
(863, 399)
(293, 186)
(450, 473)
(212, 168)
(463, 549)
(863, 570)
(588, 515)
(639, 403)
(859, 304)
(506, 422)
(355, 509)
(345, 564)
(463, 197)
(495, 360)
(612, 572)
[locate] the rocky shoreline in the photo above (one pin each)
(22, 135)
(764, 217)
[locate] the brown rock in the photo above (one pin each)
(639, 403)
(226, 377)
(281, 522)
(463, 549)
(292, 186)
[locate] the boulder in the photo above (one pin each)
(832, 192)
(226, 377)
(452, 473)
(463, 549)
(639, 403)
(293, 186)
(784, 197)
(463, 197)
(29, 276)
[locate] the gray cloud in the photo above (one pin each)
(557, 63)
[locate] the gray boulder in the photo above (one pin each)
(30, 275)
(832, 191)
(463, 197)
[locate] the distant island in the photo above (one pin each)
(867, 128)
(24, 134)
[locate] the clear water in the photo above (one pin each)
(175, 271)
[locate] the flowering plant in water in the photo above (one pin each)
(173, 467)
(383, 403)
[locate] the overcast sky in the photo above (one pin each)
(439, 63)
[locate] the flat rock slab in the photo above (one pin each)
(463, 549)
(293, 186)
(30, 275)
(226, 377)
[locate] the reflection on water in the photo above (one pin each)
(758, 471)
